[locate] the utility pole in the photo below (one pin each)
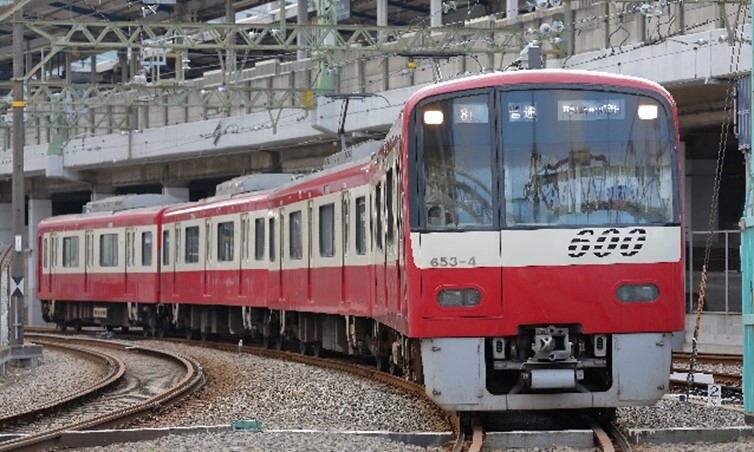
(18, 267)
(18, 104)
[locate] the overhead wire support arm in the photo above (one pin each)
(346, 97)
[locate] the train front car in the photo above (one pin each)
(545, 240)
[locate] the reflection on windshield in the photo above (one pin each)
(585, 159)
(458, 164)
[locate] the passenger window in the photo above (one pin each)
(108, 250)
(146, 248)
(165, 247)
(361, 225)
(225, 242)
(327, 230)
(378, 221)
(272, 239)
(244, 238)
(70, 251)
(192, 245)
(45, 251)
(389, 207)
(295, 236)
(259, 239)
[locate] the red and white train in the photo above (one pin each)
(514, 243)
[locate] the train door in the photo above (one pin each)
(52, 268)
(207, 274)
(345, 231)
(275, 255)
(176, 256)
(379, 250)
(243, 259)
(308, 227)
(281, 252)
(392, 265)
(128, 279)
(88, 260)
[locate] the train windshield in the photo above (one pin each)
(550, 157)
(578, 157)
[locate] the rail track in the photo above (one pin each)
(607, 437)
(106, 411)
(115, 370)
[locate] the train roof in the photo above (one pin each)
(563, 76)
(93, 220)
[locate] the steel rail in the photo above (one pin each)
(116, 370)
(192, 380)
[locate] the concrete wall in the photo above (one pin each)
(718, 333)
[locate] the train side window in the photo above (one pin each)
(389, 207)
(378, 210)
(70, 251)
(361, 225)
(244, 238)
(146, 248)
(346, 224)
(327, 230)
(225, 242)
(296, 247)
(89, 249)
(272, 239)
(45, 251)
(259, 239)
(165, 247)
(191, 246)
(108, 250)
(177, 245)
(130, 248)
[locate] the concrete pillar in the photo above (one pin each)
(381, 12)
(39, 209)
(181, 193)
(511, 8)
(6, 225)
(435, 13)
(302, 17)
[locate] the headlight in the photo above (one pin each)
(459, 297)
(641, 293)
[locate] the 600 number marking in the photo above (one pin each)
(451, 261)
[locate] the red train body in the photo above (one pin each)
(515, 243)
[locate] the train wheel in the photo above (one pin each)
(391, 367)
(188, 333)
(266, 341)
(380, 363)
(163, 327)
(61, 326)
(303, 347)
(124, 329)
(316, 349)
(146, 331)
(279, 343)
